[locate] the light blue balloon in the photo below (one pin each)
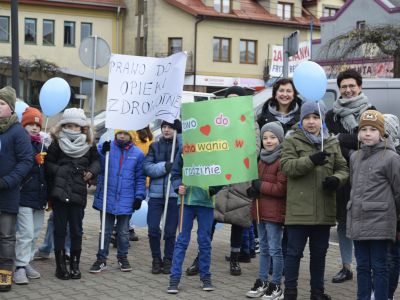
(54, 96)
(20, 107)
(140, 216)
(310, 80)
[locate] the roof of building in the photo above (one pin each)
(390, 6)
(250, 11)
(90, 4)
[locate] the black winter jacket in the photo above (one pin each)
(65, 174)
(34, 186)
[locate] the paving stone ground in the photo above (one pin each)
(141, 284)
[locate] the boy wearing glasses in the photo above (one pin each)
(342, 120)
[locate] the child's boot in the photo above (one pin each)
(156, 266)
(318, 294)
(61, 269)
(235, 269)
(75, 273)
(6, 278)
(173, 287)
(167, 264)
(194, 268)
(290, 294)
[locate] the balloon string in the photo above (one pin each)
(322, 129)
(45, 132)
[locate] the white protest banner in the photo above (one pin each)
(142, 89)
(303, 54)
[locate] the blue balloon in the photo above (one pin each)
(140, 216)
(20, 107)
(54, 96)
(310, 80)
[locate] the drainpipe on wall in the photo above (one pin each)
(199, 19)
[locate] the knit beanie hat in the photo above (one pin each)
(8, 95)
(392, 126)
(373, 118)
(32, 115)
(75, 116)
(177, 125)
(274, 127)
(131, 133)
(237, 90)
(311, 107)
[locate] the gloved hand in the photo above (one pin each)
(256, 185)
(39, 158)
(3, 184)
(212, 190)
(137, 204)
(319, 158)
(330, 183)
(252, 193)
(106, 147)
(168, 166)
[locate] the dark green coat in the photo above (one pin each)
(307, 203)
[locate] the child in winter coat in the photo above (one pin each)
(126, 190)
(32, 203)
(374, 201)
(313, 174)
(157, 166)
(199, 204)
(15, 163)
(270, 190)
(142, 139)
(72, 160)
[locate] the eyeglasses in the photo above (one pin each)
(350, 86)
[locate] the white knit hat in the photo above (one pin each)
(74, 116)
(392, 126)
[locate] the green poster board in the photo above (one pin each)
(219, 142)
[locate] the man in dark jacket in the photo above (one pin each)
(342, 120)
(15, 161)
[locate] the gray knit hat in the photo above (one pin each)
(74, 116)
(392, 126)
(8, 95)
(274, 127)
(311, 107)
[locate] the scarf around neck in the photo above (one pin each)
(283, 118)
(270, 156)
(349, 110)
(36, 138)
(73, 143)
(316, 139)
(6, 123)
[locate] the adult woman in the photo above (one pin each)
(283, 106)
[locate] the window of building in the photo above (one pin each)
(4, 29)
(30, 31)
(248, 52)
(284, 10)
(86, 30)
(48, 32)
(360, 25)
(174, 45)
(223, 6)
(69, 33)
(222, 49)
(329, 11)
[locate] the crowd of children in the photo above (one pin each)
(293, 200)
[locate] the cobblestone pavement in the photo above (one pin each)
(141, 284)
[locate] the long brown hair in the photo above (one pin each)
(145, 134)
